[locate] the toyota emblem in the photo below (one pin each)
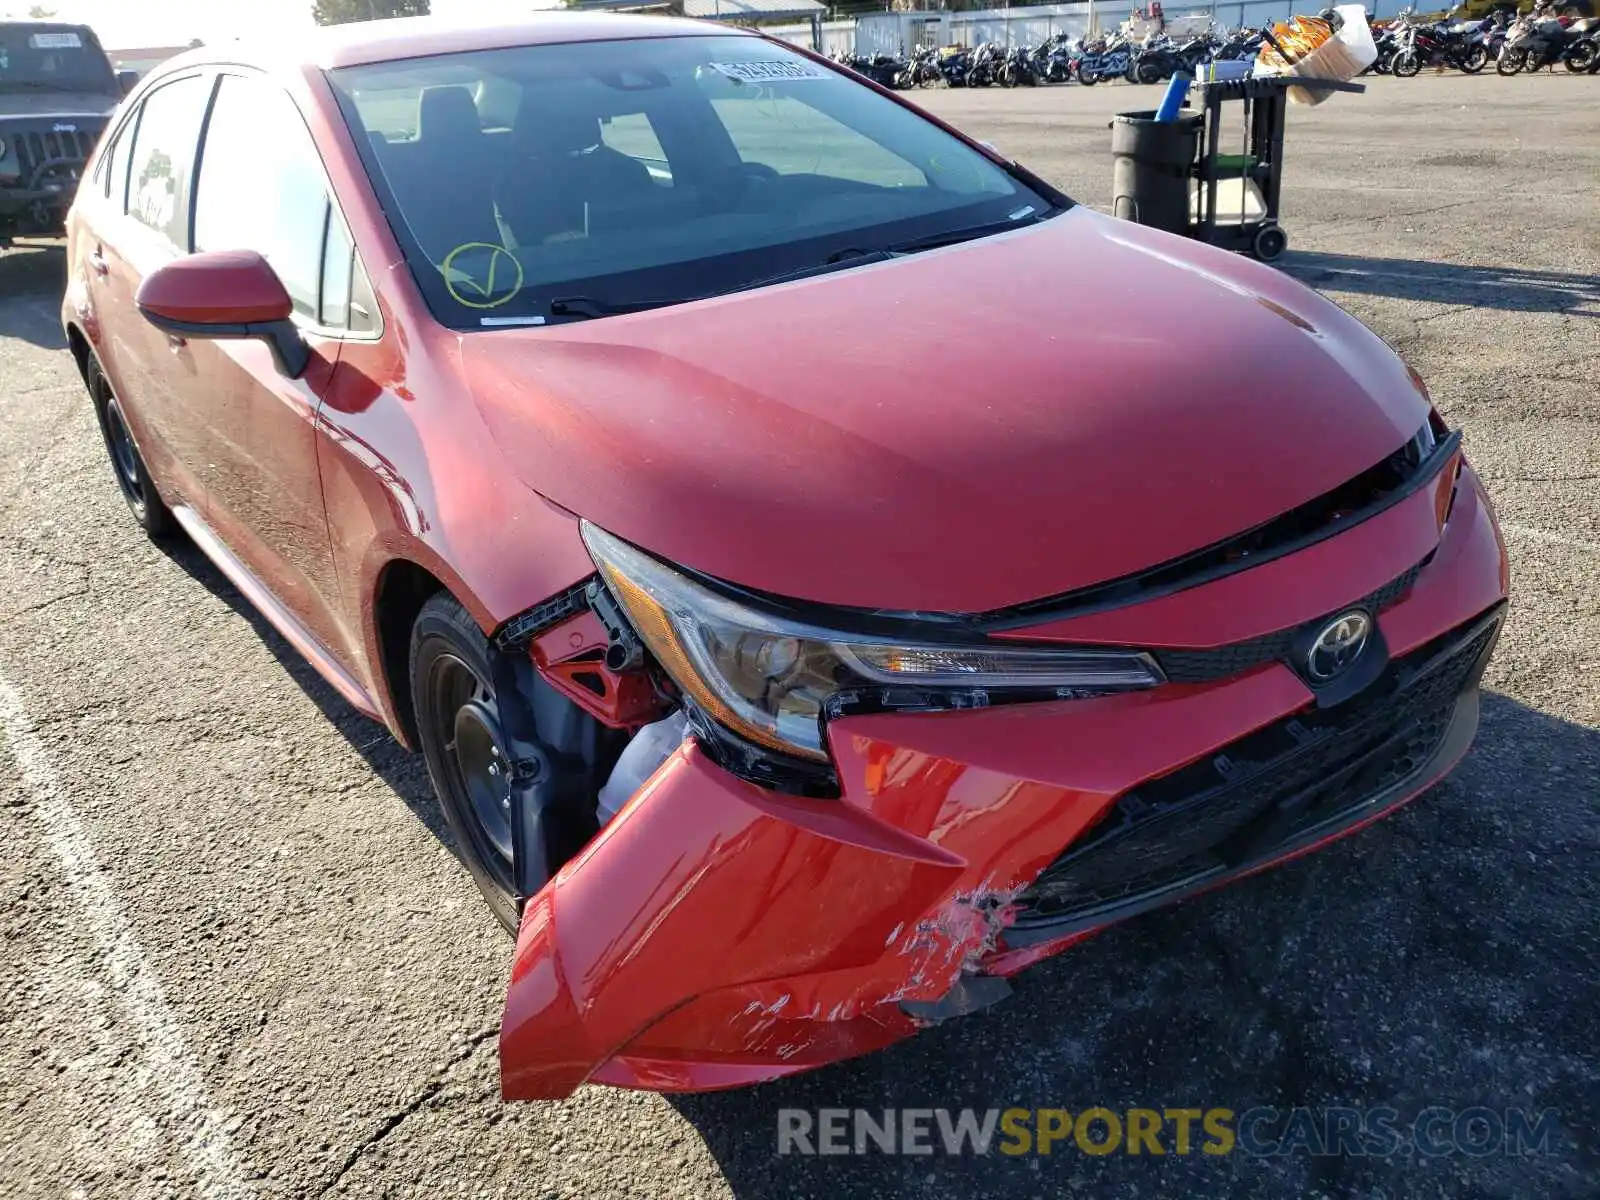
(1338, 644)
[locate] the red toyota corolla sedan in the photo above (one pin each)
(810, 610)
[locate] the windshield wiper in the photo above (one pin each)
(850, 256)
(43, 85)
(588, 306)
(950, 237)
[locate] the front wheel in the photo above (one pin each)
(133, 477)
(458, 728)
(1511, 61)
(1406, 64)
(1148, 73)
(1087, 78)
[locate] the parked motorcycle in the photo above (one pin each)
(985, 66)
(1016, 68)
(1539, 39)
(1054, 60)
(1110, 60)
(1439, 45)
(921, 71)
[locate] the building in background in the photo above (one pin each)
(732, 12)
(146, 58)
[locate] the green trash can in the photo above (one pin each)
(1151, 164)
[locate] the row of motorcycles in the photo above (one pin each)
(1060, 59)
(1535, 40)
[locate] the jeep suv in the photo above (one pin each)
(57, 90)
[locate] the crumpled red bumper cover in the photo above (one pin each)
(716, 934)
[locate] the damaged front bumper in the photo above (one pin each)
(717, 934)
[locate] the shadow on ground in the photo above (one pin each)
(27, 272)
(403, 771)
(1446, 956)
(1510, 288)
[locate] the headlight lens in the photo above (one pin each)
(767, 678)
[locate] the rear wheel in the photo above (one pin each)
(1148, 72)
(1475, 60)
(1087, 78)
(1582, 57)
(133, 478)
(1406, 64)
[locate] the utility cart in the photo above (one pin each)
(1175, 175)
(1234, 200)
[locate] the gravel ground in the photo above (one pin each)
(238, 958)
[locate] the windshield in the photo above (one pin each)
(67, 60)
(632, 173)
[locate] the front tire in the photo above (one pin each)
(1511, 61)
(458, 729)
(1406, 64)
(133, 477)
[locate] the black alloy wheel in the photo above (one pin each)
(458, 726)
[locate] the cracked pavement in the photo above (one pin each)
(301, 937)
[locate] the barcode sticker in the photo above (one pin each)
(55, 41)
(777, 71)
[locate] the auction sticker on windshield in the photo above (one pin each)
(780, 71)
(56, 41)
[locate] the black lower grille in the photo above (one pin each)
(1266, 789)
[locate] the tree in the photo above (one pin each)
(338, 12)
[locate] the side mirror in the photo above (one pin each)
(127, 81)
(225, 294)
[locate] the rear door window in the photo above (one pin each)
(163, 157)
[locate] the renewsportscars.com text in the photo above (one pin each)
(1476, 1132)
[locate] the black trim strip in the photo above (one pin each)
(1398, 477)
(1263, 544)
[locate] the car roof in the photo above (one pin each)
(358, 43)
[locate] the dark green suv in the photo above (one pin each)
(57, 91)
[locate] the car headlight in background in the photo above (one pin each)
(767, 678)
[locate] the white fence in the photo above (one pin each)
(902, 32)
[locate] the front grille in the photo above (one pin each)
(36, 149)
(1199, 666)
(1266, 789)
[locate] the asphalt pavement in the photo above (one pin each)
(237, 957)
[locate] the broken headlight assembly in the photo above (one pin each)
(770, 679)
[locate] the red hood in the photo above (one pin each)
(959, 430)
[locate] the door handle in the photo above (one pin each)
(98, 263)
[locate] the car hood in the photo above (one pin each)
(66, 106)
(958, 430)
